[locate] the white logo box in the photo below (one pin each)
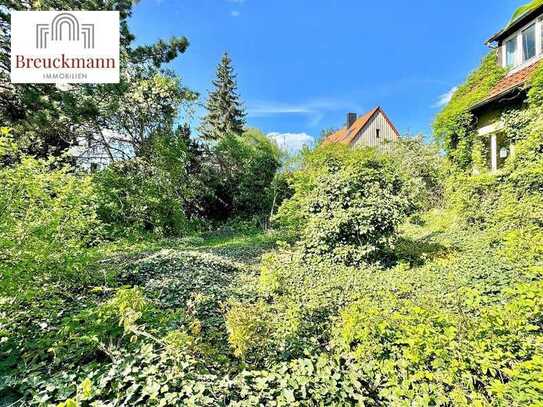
(65, 46)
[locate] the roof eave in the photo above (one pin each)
(514, 25)
(493, 39)
(497, 97)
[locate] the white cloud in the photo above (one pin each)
(235, 13)
(313, 110)
(445, 98)
(291, 142)
(312, 107)
(271, 109)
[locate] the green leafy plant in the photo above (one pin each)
(48, 220)
(351, 208)
(239, 178)
(453, 126)
(140, 196)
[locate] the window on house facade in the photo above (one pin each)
(511, 52)
(528, 43)
(522, 46)
(377, 133)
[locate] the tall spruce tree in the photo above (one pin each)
(225, 113)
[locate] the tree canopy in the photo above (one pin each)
(48, 119)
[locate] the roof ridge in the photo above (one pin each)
(346, 135)
(357, 127)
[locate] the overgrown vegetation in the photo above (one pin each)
(450, 314)
(48, 221)
(384, 277)
(347, 205)
(453, 126)
(525, 9)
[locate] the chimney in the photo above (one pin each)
(351, 118)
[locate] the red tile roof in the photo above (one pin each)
(347, 135)
(514, 80)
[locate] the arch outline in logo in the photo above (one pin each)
(55, 31)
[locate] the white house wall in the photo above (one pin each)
(96, 154)
(368, 135)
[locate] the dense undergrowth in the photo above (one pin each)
(395, 278)
(435, 300)
(199, 273)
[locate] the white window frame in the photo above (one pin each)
(537, 33)
(516, 58)
(519, 54)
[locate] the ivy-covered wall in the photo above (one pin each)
(454, 126)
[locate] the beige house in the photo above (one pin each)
(372, 129)
(519, 49)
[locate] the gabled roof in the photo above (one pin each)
(515, 80)
(521, 16)
(347, 135)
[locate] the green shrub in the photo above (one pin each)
(292, 214)
(261, 332)
(475, 198)
(248, 327)
(127, 306)
(239, 177)
(423, 169)
(352, 207)
(136, 195)
(47, 222)
(434, 356)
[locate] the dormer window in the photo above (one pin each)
(523, 45)
(528, 43)
(511, 52)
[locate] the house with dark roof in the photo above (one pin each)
(372, 129)
(519, 49)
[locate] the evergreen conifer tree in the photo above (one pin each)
(225, 113)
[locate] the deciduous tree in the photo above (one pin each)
(51, 119)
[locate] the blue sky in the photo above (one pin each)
(302, 65)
